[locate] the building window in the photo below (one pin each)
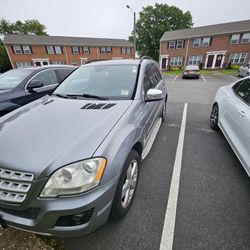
(109, 50)
(180, 44)
(171, 45)
(23, 64)
(75, 50)
(17, 49)
(74, 63)
(86, 50)
(206, 41)
(26, 49)
(197, 42)
(124, 51)
(194, 60)
(176, 61)
(237, 57)
(50, 50)
(57, 62)
(245, 38)
(235, 39)
(103, 50)
(128, 50)
(58, 50)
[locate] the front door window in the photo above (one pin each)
(218, 61)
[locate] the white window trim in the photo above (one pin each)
(196, 46)
(85, 50)
(23, 64)
(176, 61)
(17, 48)
(238, 40)
(57, 46)
(173, 45)
(235, 57)
(196, 59)
(103, 50)
(25, 49)
(51, 52)
(182, 44)
(109, 50)
(245, 34)
(74, 51)
(207, 43)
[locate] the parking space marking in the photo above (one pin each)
(170, 216)
(204, 79)
(235, 78)
(175, 78)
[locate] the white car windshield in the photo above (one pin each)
(192, 67)
(107, 81)
(12, 78)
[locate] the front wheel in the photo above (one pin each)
(126, 187)
(164, 111)
(214, 117)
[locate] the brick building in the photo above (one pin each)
(27, 50)
(213, 46)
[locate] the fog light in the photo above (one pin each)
(74, 220)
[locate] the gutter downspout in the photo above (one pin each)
(185, 62)
(65, 51)
(8, 55)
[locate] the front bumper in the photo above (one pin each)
(44, 220)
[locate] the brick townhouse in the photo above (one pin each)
(27, 50)
(212, 46)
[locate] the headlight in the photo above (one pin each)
(75, 178)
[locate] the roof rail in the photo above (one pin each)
(145, 57)
(96, 60)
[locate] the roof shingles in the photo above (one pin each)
(64, 40)
(215, 29)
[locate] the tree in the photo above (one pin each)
(27, 27)
(153, 22)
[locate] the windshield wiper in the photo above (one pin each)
(60, 95)
(90, 96)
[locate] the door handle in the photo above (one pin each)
(226, 98)
(242, 113)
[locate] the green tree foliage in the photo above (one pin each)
(27, 27)
(153, 22)
(4, 59)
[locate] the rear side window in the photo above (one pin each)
(47, 77)
(242, 89)
(63, 73)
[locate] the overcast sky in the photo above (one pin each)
(111, 18)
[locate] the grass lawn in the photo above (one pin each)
(204, 72)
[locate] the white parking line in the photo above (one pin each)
(204, 79)
(235, 78)
(170, 216)
(175, 78)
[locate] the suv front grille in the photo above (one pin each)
(14, 185)
(30, 213)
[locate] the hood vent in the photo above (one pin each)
(98, 106)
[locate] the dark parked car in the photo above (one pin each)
(191, 71)
(21, 86)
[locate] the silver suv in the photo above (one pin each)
(70, 160)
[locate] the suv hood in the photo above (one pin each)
(52, 132)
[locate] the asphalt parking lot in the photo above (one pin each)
(213, 205)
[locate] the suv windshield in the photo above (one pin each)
(12, 78)
(100, 81)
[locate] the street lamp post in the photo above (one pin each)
(134, 29)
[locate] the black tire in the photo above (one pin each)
(214, 117)
(164, 110)
(118, 211)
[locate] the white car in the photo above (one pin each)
(244, 70)
(231, 113)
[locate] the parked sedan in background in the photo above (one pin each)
(21, 86)
(83, 148)
(244, 70)
(231, 113)
(191, 71)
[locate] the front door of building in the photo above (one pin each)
(210, 61)
(164, 63)
(218, 61)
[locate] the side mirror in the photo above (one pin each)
(34, 85)
(154, 95)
